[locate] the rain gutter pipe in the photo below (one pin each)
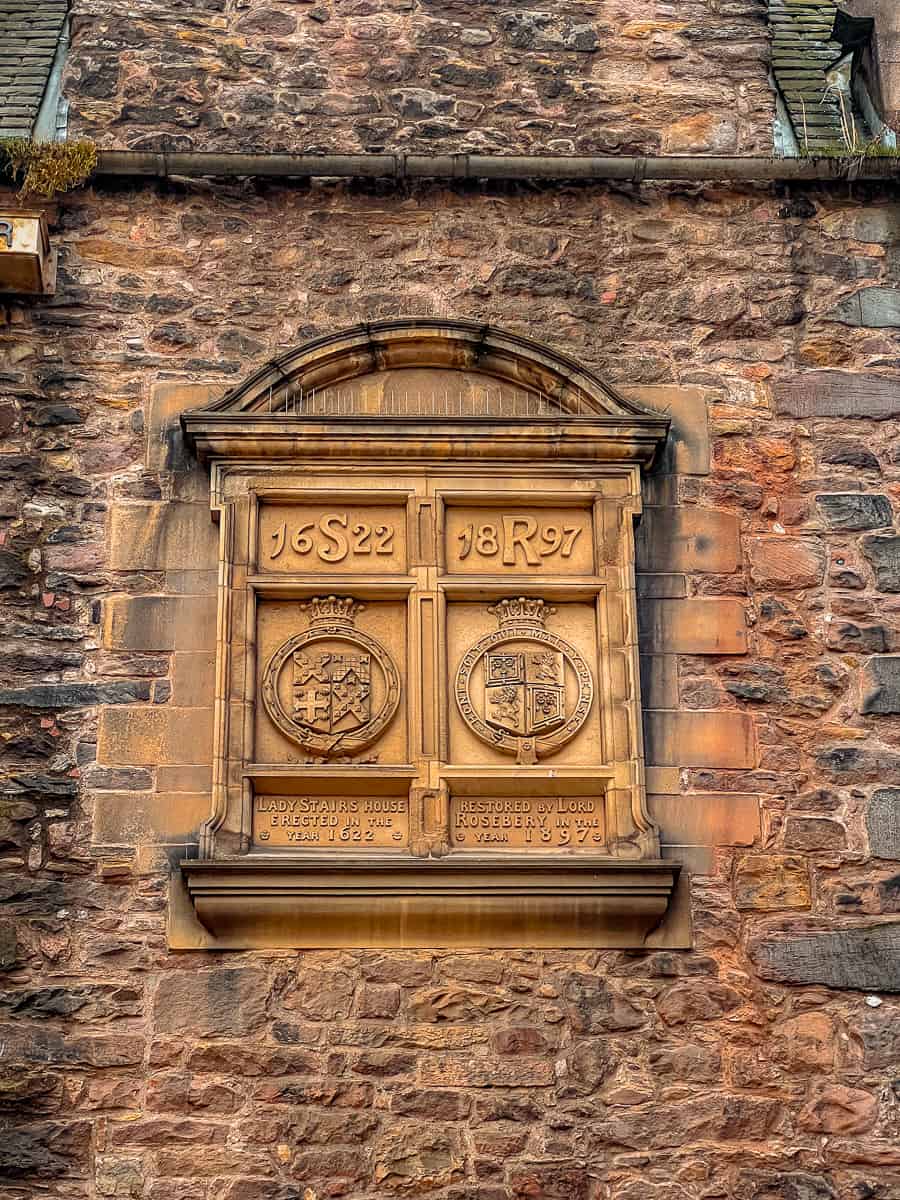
(589, 168)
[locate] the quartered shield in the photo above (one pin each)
(524, 691)
(332, 692)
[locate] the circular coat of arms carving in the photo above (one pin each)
(332, 689)
(537, 689)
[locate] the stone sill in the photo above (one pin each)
(386, 901)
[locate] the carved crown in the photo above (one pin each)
(521, 611)
(331, 610)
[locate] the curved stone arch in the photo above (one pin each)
(404, 386)
(559, 384)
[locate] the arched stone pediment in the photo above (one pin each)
(411, 374)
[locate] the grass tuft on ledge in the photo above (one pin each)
(44, 169)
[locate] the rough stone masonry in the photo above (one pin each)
(760, 1065)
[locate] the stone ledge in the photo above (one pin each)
(389, 902)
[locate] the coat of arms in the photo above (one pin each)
(332, 689)
(525, 691)
(538, 689)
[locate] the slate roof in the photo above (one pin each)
(808, 38)
(29, 34)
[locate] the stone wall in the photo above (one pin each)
(353, 75)
(758, 1065)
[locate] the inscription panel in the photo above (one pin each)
(526, 823)
(332, 822)
(518, 539)
(344, 538)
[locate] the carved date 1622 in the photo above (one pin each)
(518, 533)
(333, 537)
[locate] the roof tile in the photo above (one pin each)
(29, 35)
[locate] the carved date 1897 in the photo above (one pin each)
(332, 538)
(516, 534)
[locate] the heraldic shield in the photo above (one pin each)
(332, 692)
(524, 691)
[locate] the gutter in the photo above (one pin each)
(589, 168)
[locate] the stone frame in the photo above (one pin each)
(579, 438)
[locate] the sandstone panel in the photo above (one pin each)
(790, 563)
(160, 623)
(695, 626)
(158, 537)
(689, 540)
(155, 735)
(688, 450)
(700, 739)
(696, 819)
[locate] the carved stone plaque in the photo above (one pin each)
(345, 537)
(331, 680)
(523, 689)
(519, 539)
(331, 822)
(332, 689)
(427, 695)
(527, 823)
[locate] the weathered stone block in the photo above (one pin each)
(843, 452)
(695, 626)
(159, 623)
(852, 512)
(783, 562)
(880, 680)
(709, 820)
(484, 1072)
(688, 539)
(687, 449)
(876, 1038)
(771, 881)
(713, 1117)
(695, 860)
(218, 1003)
(836, 1109)
(873, 307)
(659, 680)
(127, 818)
(419, 1160)
(814, 833)
(705, 1000)
(138, 736)
(166, 448)
(76, 695)
(663, 781)
(861, 957)
(838, 394)
(193, 678)
(159, 537)
(184, 778)
(661, 587)
(866, 223)
(859, 764)
(378, 1000)
(883, 554)
(883, 823)
(806, 1042)
(700, 739)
